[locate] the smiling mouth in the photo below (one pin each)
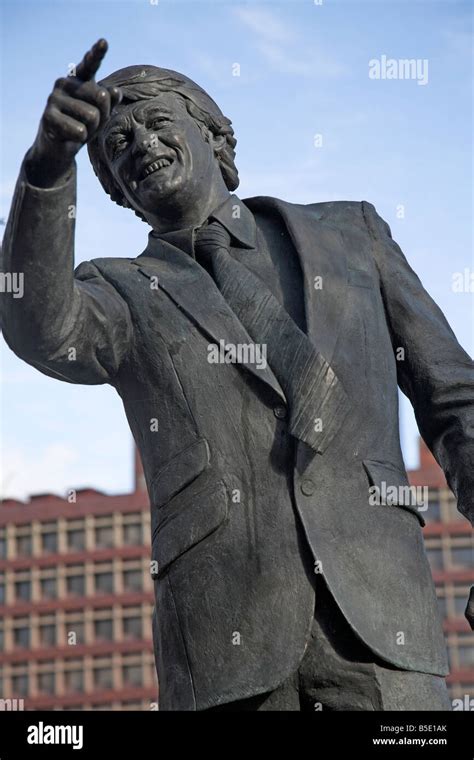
(160, 163)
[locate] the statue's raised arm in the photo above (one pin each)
(75, 110)
(75, 329)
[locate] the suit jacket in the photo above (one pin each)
(232, 524)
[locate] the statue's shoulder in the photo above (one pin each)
(109, 267)
(336, 213)
(340, 214)
(335, 208)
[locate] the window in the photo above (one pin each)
(48, 588)
(21, 636)
(76, 539)
(465, 638)
(152, 670)
(2, 593)
(460, 603)
(3, 546)
(433, 513)
(104, 583)
(23, 591)
(435, 557)
(104, 630)
(466, 656)
(20, 685)
(75, 632)
(462, 556)
(104, 536)
(49, 543)
(46, 682)
(74, 680)
(24, 545)
(47, 635)
(103, 677)
(132, 580)
(442, 607)
(452, 512)
(76, 585)
(133, 534)
(132, 675)
(132, 627)
(449, 652)
(2, 639)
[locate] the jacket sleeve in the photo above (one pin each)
(71, 326)
(434, 371)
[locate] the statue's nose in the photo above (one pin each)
(144, 140)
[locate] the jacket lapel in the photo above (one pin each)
(321, 254)
(194, 291)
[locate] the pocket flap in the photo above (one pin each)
(179, 472)
(390, 487)
(187, 525)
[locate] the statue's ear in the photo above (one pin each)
(217, 142)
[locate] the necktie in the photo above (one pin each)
(315, 397)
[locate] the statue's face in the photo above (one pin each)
(158, 154)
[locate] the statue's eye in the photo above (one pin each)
(158, 121)
(118, 144)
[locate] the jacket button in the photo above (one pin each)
(307, 487)
(279, 412)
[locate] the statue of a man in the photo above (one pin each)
(256, 346)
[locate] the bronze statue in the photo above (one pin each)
(257, 346)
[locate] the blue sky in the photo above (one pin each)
(303, 71)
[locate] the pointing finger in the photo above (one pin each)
(89, 65)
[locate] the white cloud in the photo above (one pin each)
(283, 48)
(310, 63)
(265, 24)
(284, 61)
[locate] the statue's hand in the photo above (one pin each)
(75, 110)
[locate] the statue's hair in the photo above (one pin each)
(145, 82)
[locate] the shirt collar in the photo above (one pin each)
(233, 214)
(238, 221)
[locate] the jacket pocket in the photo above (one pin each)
(179, 472)
(389, 486)
(183, 526)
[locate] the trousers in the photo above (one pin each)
(339, 672)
